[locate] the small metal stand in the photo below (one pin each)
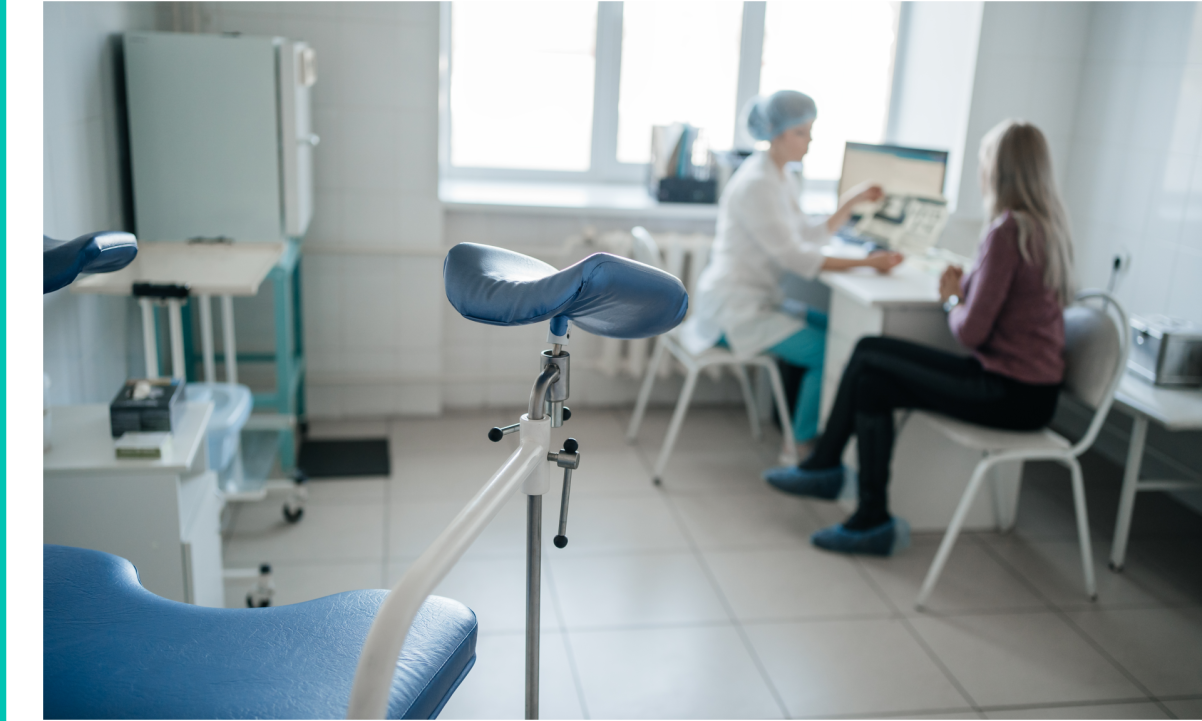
(546, 399)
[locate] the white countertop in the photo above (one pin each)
(217, 269)
(914, 282)
(82, 442)
(1178, 409)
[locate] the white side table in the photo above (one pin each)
(163, 515)
(1177, 409)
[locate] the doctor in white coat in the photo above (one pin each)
(761, 234)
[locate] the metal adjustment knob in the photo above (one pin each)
(569, 460)
(496, 434)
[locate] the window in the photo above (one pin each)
(840, 54)
(687, 61)
(570, 90)
(523, 90)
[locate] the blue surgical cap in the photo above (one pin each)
(768, 117)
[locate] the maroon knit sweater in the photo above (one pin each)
(1012, 323)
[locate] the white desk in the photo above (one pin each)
(163, 515)
(929, 471)
(1175, 409)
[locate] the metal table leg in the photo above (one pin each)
(1135, 457)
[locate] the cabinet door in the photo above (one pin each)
(298, 73)
(201, 543)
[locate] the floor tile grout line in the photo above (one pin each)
(744, 638)
(1063, 616)
(567, 642)
(930, 652)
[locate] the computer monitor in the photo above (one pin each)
(901, 171)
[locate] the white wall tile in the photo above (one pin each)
(1185, 298)
(1118, 32)
(326, 227)
(1187, 117)
(1147, 288)
(421, 222)
(1154, 105)
(371, 149)
(1138, 175)
(371, 217)
(1051, 102)
(329, 157)
(1167, 208)
(1064, 30)
(1168, 32)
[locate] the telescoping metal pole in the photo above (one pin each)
(534, 545)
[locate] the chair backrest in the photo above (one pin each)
(645, 249)
(1096, 342)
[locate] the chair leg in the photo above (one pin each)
(753, 414)
(1005, 502)
(953, 530)
(1091, 588)
(682, 408)
(640, 405)
(788, 450)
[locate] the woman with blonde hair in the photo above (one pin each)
(1008, 310)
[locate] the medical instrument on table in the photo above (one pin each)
(294, 661)
(1166, 351)
(914, 211)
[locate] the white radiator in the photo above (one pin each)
(684, 256)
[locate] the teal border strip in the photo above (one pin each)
(4, 355)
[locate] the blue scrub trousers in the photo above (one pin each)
(806, 348)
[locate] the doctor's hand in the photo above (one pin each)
(884, 260)
(949, 282)
(862, 193)
(867, 192)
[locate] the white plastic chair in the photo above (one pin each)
(1096, 344)
(646, 250)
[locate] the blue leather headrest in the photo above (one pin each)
(603, 294)
(102, 252)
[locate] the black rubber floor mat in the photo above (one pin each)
(341, 458)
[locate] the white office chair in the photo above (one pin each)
(1096, 344)
(646, 250)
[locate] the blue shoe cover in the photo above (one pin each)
(884, 540)
(826, 483)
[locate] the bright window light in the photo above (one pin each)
(522, 84)
(680, 63)
(840, 54)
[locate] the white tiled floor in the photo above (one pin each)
(704, 598)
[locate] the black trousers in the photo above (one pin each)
(885, 374)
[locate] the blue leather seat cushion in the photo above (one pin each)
(103, 252)
(112, 649)
(604, 294)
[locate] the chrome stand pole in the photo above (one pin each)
(534, 546)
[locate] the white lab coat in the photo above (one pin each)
(761, 234)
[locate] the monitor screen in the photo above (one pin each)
(901, 171)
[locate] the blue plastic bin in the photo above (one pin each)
(231, 408)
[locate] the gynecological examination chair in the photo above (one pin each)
(112, 649)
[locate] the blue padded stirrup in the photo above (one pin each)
(604, 294)
(103, 252)
(112, 649)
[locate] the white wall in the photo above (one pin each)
(372, 260)
(934, 80)
(1029, 67)
(86, 346)
(1134, 180)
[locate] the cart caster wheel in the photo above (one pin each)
(293, 516)
(263, 603)
(299, 476)
(657, 482)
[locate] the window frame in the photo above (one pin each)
(604, 166)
